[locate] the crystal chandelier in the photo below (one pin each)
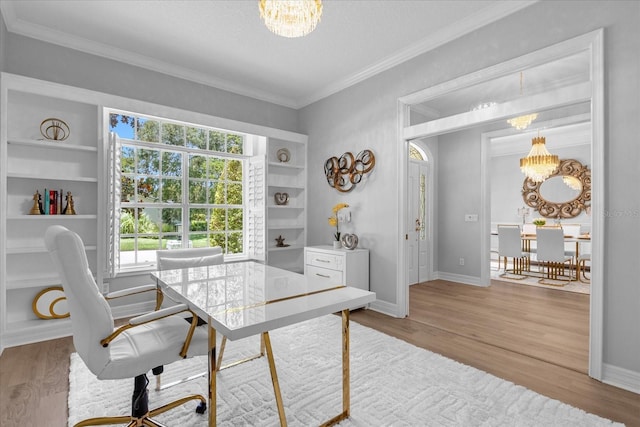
(539, 163)
(291, 18)
(522, 122)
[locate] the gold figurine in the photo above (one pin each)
(35, 210)
(69, 210)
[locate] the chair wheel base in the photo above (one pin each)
(202, 408)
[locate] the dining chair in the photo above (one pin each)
(196, 257)
(581, 268)
(510, 246)
(552, 255)
(129, 351)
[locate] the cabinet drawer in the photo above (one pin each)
(324, 260)
(319, 273)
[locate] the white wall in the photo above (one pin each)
(365, 116)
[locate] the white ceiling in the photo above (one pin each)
(224, 43)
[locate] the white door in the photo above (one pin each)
(417, 247)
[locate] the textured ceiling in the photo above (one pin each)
(225, 44)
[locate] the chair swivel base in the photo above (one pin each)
(141, 415)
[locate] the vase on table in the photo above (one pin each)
(337, 244)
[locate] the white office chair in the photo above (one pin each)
(552, 255)
(196, 257)
(130, 351)
(510, 245)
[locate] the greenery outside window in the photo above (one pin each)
(180, 185)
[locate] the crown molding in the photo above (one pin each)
(462, 27)
(450, 33)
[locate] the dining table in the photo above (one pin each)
(247, 298)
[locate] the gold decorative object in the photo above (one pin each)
(281, 198)
(54, 129)
(561, 209)
(49, 297)
(345, 172)
(539, 163)
(69, 209)
(283, 155)
(35, 210)
(291, 18)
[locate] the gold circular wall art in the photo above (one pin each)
(54, 129)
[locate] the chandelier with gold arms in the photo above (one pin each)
(539, 163)
(291, 18)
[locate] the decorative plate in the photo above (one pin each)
(283, 155)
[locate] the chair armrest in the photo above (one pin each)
(131, 291)
(148, 317)
(155, 315)
(138, 290)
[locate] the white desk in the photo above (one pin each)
(247, 298)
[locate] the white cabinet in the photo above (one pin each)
(286, 202)
(338, 266)
(30, 163)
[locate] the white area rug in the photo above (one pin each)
(392, 383)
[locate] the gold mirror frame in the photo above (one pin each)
(569, 209)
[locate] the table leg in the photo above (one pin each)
(213, 408)
(274, 378)
(346, 379)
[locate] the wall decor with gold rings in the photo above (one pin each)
(345, 172)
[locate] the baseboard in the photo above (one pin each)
(621, 378)
(385, 308)
(459, 278)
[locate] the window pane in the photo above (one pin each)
(127, 189)
(148, 162)
(196, 138)
(147, 130)
(235, 144)
(149, 221)
(172, 190)
(197, 166)
(121, 125)
(198, 219)
(197, 191)
(127, 159)
(218, 219)
(217, 194)
(127, 225)
(147, 190)
(234, 170)
(171, 220)
(173, 134)
(171, 164)
(219, 239)
(216, 141)
(234, 194)
(216, 167)
(235, 219)
(234, 243)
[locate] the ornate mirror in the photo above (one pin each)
(565, 194)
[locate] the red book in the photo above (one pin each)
(53, 198)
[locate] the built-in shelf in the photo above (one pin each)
(55, 145)
(50, 217)
(38, 250)
(286, 227)
(285, 165)
(288, 248)
(51, 177)
(32, 282)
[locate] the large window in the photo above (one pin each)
(181, 185)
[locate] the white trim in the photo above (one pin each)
(620, 377)
(460, 278)
(387, 308)
(592, 41)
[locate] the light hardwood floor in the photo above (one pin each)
(531, 336)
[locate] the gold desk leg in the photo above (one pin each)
(346, 380)
(274, 378)
(213, 408)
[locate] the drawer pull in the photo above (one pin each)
(323, 260)
(323, 275)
